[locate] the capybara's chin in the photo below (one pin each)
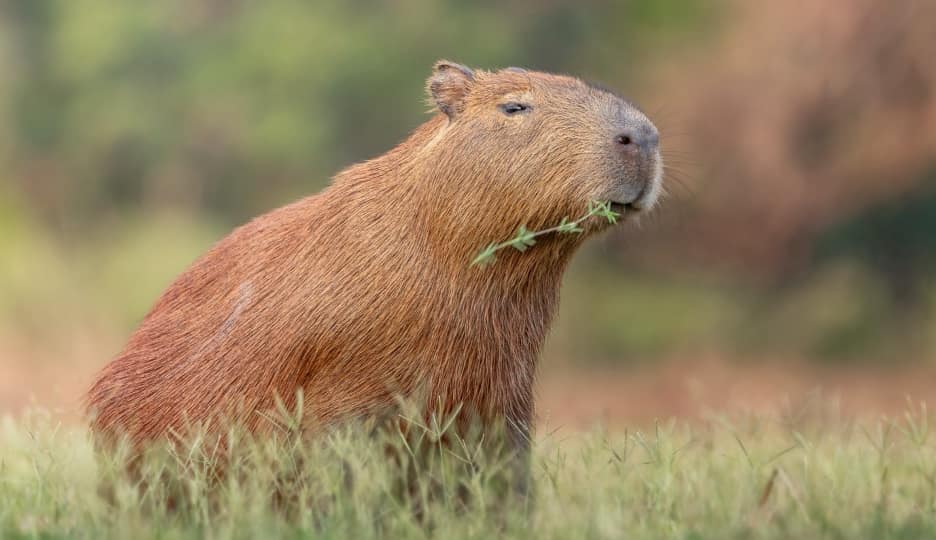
(365, 292)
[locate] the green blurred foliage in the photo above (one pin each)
(47, 288)
(614, 315)
(896, 240)
(236, 106)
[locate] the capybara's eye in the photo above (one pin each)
(513, 108)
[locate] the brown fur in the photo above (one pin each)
(364, 291)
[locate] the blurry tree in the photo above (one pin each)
(237, 106)
(812, 112)
(897, 239)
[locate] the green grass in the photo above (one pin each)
(798, 475)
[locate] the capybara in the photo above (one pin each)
(364, 292)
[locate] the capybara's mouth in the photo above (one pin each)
(623, 208)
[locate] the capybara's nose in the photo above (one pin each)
(643, 138)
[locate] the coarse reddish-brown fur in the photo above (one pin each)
(364, 291)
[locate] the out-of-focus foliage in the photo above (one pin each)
(897, 239)
(803, 114)
(234, 106)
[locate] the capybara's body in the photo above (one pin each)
(364, 292)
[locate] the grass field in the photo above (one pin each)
(805, 474)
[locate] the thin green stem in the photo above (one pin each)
(525, 238)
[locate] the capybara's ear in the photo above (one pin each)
(448, 86)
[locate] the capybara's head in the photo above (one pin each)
(538, 145)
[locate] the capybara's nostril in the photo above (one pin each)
(644, 138)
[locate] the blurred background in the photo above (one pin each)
(795, 255)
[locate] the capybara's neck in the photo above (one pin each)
(449, 211)
(484, 326)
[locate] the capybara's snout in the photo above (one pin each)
(635, 145)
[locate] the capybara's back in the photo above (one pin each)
(365, 292)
